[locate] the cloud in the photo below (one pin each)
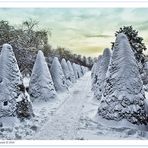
(97, 36)
(91, 50)
(84, 30)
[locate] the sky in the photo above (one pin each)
(85, 31)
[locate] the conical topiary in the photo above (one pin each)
(58, 77)
(102, 69)
(66, 72)
(41, 87)
(123, 96)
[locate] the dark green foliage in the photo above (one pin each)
(135, 41)
(24, 108)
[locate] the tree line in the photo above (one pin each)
(26, 40)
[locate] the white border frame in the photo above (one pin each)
(74, 4)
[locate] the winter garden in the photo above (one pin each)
(52, 94)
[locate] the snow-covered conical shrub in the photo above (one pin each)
(79, 71)
(123, 96)
(66, 72)
(102, 73)
(10, 82)
(72, 75)
(58, 77)
(83, 69)
(41, 87)
(93, 69)
(75, 70)
(96, 72)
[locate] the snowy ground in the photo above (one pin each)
(70, 117)
(64, 123)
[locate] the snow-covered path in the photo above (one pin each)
(73, 116)
(65, 121)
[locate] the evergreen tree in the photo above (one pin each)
(135, 41)
(123, 95)
(96, 72)
(93, 69)
(102, 69)
(75, 70)
(84, 70)
(58, 76)
(72, 75)
(79, 71)
(41, 87)
(10, 82)
(66, 72)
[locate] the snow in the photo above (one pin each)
(93, 127)
(9, 122)
(11, 82)
(93, 69)
(72, 116)
(26, 129)
(144, 76)
(26, 81)
(101, 73)
(60, 112)
(58, 76)
(123, 96)
(65, 121)
(75, 70)
(41, 86)
(96, 72)
(6, 63)
(79, 71)
(72, 75)
(66, 72)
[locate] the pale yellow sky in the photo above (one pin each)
(84, 31)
